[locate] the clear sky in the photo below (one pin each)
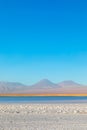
(43, 39)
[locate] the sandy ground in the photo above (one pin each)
(43, 116)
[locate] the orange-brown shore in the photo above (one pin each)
(26, 95)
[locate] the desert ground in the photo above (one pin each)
(43, 116)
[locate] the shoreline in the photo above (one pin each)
(41, 95)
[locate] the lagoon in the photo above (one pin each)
(44, 99)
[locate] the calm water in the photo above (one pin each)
(43, 99)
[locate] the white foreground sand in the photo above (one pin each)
(43, 116)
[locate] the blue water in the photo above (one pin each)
(49, 99)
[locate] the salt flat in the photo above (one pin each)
(43, 116)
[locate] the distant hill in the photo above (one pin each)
(10, 87)
(45, 83)
(43, 86)
(69, 83)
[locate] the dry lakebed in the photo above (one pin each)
(43, 116)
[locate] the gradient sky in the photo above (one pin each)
(43, 39)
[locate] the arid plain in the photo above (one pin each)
(43, 116)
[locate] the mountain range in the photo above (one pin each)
(44, 86)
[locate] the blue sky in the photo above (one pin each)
(43, 39)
